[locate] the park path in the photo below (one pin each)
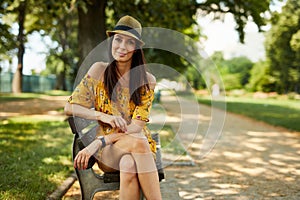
(251, 159)
(44, 106)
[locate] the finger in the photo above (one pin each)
(117, 122)
(81, 163)
(75, 161)
(121, 123)
(78, 160)
(113, 123)
(86, 161)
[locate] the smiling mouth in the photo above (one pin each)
(122, 54)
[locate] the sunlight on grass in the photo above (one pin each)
(35, 158)
(37, 118)
(5, 97)
(58, 93)
(278, 112)
(8, 97)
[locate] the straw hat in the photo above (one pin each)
(129, 26)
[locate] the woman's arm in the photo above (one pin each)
(136, 126)
(81, 111)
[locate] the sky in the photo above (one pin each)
(222, 36)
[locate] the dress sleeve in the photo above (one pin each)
(84, 93)
(142, 111)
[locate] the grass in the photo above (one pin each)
(35, 157)
(35, 153)
(278, 112)
(5, 97)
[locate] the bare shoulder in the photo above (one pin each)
(97, 70)
(151, 79)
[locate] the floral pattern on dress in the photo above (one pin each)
(92, 93)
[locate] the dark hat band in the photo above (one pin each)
(129, 29)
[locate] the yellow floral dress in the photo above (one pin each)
(91, 93)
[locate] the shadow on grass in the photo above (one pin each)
(35, 158)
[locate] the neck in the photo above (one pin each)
(123, 67)
(124, 75)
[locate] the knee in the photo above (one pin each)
(127, 164)
(140, 146)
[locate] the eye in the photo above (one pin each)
(131, 42)
(118, 39)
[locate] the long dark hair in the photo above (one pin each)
(138, 76)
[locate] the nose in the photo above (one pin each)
(123, 44)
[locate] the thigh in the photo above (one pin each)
(111, 154)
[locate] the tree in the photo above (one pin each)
(16, 12)
(260, 78)
(150, 14)
(235, 71)
(7, 38)
(282, 48)
(95, 16)
(241, 10)
(241, 65)
(21, 10)
(64, 56)
(92, 24)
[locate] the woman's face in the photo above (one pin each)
(123, 47)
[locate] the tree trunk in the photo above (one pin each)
(17, 80)
(61, 80)
(91, 26)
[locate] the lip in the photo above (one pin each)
(122, 54)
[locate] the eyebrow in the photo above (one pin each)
(125, 37)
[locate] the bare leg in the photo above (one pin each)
(129, 184)
(148, 177)
(136, 145)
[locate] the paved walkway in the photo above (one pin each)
(251, 159)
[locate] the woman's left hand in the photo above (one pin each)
(82, 158)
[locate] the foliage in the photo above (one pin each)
(241, 10)
(282, 47)
(35, 158)
(149, 13)
(235, 72)
(6, 39)
(62, 28)
(260, 78)
(63, 20)
(192, 75)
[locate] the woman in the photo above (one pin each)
(121, 93)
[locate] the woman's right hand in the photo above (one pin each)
(115, 121)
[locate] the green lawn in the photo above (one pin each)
(278, 112)
(35, 157)
(5, 97)
(35, 153)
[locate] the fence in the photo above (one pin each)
(32, 83)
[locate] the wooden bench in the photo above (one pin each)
(90, 182)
